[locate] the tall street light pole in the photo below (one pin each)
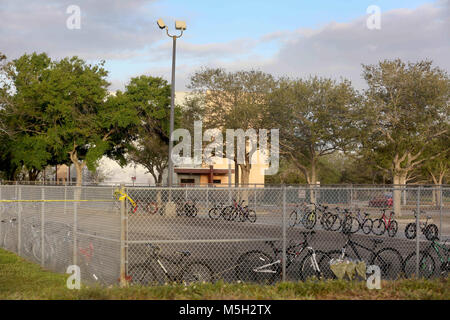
(179, 25)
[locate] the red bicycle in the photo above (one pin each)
(145, 208)
(385, 223)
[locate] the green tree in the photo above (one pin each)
(406, 110)
(151, 96)
(316, 118)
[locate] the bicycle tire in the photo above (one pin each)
(293, 218)
(393, 228)
(152, 208)
(309, 269)
(347, 225)
(251, 216)
(197, 272)
(390, 262)
(410, 231)
(141, 275)
(367, 226)
(250, 260)
(431, 232)
(214, 213)
(427, 265)
(309, 220)
(229, 213)
(379, 227)
(332, 223)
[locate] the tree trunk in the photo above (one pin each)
(399, 185)
(313, 181)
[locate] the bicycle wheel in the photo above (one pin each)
(348, 225)
(251, 215)
(293, 218)
(367, 226)
(196, 272)
(228, 213)
(410, 231)
(393, 227)
(324, 221)
(309, 220)
(431, 232)
(247, 268)
(427, 265)
(193, 211)
(152, 208)
(390, 262)
(214, 213)
(333, 222)
(315, 266)
(379, 228)
(142, 275)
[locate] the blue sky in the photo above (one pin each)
(294, 38)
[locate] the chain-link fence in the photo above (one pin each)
(260, 234)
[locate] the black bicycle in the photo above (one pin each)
(186, 208)
(430, 230)
(257, 266)
(302, 214)
(238, 210)
(186, 271)
(216, 211)
(388, 259)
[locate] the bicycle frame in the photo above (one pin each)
(353, 245)
(384, 217)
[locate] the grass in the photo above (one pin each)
(20, 279)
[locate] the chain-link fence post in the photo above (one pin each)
(75, 226)
(351, 196)
(123, 233)
(417, 231)
(42, 226)
(65, 198)
(19, 222)
(284, 235)
(441, 194)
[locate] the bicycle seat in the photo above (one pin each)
(184, 253)
(376, 241)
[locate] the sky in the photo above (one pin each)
(299, 38)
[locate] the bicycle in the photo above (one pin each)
(187, 208)
(364, 222)
(429, 230)
(388, 259)
(230, 213)
(382, 224)
(427, 264)
(340, 221)
(257, 266)
(302, 215)
(216, 211)
(185, 272)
